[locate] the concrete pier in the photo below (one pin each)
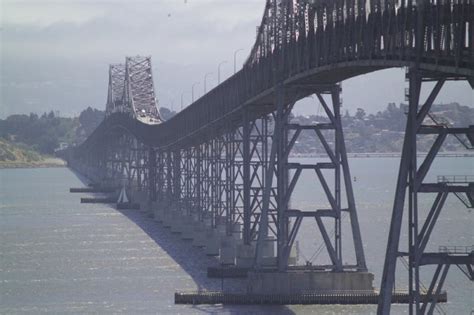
(295, 282)
(268, 253)
(228, 250)
(199, 231)
(187, 231)
(141, 197)
(157, 209)
(245, 255)
(293, 259)
(229, 244)
(213, 242)
(167, 218)
(176, 219)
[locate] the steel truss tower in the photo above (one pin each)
(240, 178)
(410, 184)
(219, 179)
(286, 175)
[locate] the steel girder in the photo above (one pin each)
(139, 93)
(285, 222)
(353, 29)
(410, 184)
(116, 88)
(298, 43)
(241, 177)
(131, 90)
(247, 162)
(327, 42)
(220, 179)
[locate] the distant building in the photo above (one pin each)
(62, 146)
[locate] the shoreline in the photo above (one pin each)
(56, 162)
(386, 155)
(46, 163)
(25, 166)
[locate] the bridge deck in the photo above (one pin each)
(318, 51)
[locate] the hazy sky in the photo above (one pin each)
(55, 54)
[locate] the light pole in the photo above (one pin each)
(235, 59)
(192, 90)
(205, 78)
(182, 94)
(219, 71)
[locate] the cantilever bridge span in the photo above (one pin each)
(222, 164)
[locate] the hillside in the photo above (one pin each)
(31, 140)
(15, 155)
(383, 131)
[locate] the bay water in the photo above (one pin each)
(60, 256)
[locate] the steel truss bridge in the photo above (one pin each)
(225, 158)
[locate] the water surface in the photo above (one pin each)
(60, 256)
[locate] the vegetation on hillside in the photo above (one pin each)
(48, 132)
(383, 131)
(13, 155)
(89, 119)
(26, 137)
(41, 133)
(44, 134)
(10, 152)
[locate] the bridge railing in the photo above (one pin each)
(352, 29)
(324, 40)
(455, 179)
(456, 249)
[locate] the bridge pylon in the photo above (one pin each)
(410, 184)
(339, 196)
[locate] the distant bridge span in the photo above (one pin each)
(223, 161)
(210, 111)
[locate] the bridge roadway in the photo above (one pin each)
(214, 111)
(302, 48)
(340, 51)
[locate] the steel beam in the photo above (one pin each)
(410, 184)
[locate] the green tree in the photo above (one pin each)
(360, 114)
(89, 119)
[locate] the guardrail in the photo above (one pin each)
(456, 249)
(456, 179)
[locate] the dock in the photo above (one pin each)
(128, 206)
(92, 190)
(99, 200)
(363, 297)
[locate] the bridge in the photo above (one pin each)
(219, 172)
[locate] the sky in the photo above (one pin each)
(55, 54)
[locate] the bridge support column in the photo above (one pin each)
(409, 184)
(213, 240)
(199, 232)
(246, 182)
(287, 173)
(245, 255)
(244, 166)
(151, 178)
(160, 185)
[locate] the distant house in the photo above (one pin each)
(62, 146)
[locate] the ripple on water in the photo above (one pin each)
(58, 256)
